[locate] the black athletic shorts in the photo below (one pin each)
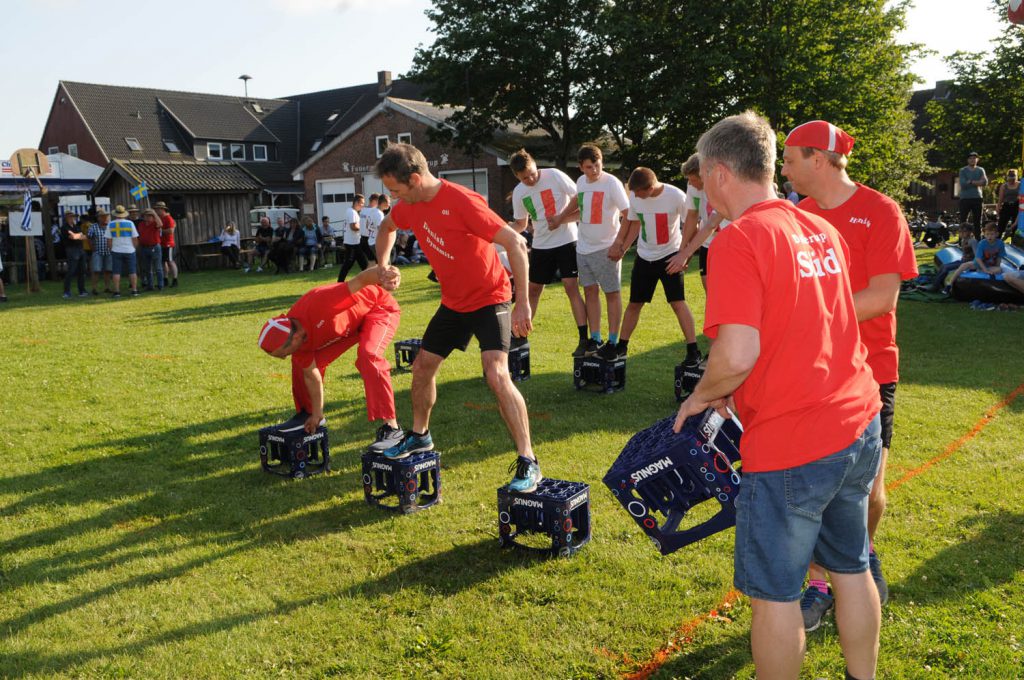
(448, 329)
(167, 254)
(544, 262)
(645, 277)
(888, 394)
(702, 260)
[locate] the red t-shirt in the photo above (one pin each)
(879, 240)
(330, 313)
(167, 237)
(149, 234)
(782, 271)
(455, 230)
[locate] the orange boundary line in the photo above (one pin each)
(683, 634)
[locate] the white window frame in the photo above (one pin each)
(378, 149)
(237, 147)
(133, 143)
(53, 149)
(405, 138)
(73, 150)
(255, 153)
(209, 151)
(483, 191)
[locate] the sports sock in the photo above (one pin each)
(596, 336)
(623, 343)
(819, 584)
(583, 332)
(871, 546)
(613, 338)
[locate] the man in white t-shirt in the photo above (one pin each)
(373, 216)
(350, 238)
(122, 240)
(603, 204)
(548, 199)
(701, 224)
(655, 214)
(364, 227)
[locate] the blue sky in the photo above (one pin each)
(287, 46)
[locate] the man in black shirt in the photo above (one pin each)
(72, 238)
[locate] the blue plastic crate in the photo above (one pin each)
(661, 475)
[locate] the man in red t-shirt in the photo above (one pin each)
(167, 242)
(788, 357)
(881, 255)
(320, 327)
(456, 229)
(149, 251)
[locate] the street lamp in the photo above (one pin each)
(246, 78)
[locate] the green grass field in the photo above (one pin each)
(140, 539)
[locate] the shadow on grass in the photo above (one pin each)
(266, 306)
(990, 558)
(717, 661)
(474, 564)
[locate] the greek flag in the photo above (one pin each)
(26, 212)
(140, 192)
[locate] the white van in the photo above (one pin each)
(271, 213)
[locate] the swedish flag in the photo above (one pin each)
(140, 192)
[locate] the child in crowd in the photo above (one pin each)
(967, 245)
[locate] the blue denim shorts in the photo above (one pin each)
(102, 263)
(123, 262)
(819, 510)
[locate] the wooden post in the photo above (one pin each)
(31, 269)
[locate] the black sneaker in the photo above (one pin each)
(813, 606)
(387, 437)
(608, 352)
(115, 295)
(581, 350)
(135, 293)
(592, 347)
(174, 283)
(692, 361)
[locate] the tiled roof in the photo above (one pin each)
(114, 112)
(350, 103)
(189, 176)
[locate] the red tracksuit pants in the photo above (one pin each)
(373, 337)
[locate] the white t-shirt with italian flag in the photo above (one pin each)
(660, 220)
(600, 203)
(548, 197)
(697, 201)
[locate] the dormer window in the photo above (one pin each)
(259, 152)
(238, 152)
(214, 151)
(133, 143)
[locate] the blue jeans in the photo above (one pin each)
(817, 510)
(150, 257)
(76, 268)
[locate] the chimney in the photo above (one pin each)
(383, 83)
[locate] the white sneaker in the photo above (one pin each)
(245, 270)
(259, 269)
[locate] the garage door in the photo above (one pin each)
(334, 198)
(465, 178)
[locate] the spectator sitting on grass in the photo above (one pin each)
(988, 255)
(967, 245)
(407, 250)
(230, 242)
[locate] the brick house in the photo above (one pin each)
(345, 166)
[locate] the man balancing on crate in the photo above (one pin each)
(456, 230)
(788, 351)
(320, 327)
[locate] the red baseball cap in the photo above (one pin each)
(275, 333)
(820, 134)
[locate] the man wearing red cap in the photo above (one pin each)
(787, 357)
(320, 327)
(881, 255)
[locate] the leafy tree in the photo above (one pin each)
(654, 75)
(983, 113)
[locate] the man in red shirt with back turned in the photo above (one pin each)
(787, 356)
(881, 255)
(321, 326)
(167, 227)
(455, 229)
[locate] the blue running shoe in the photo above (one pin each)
(411, 443)
(875, 565)
(527, 475)
(813, 606)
